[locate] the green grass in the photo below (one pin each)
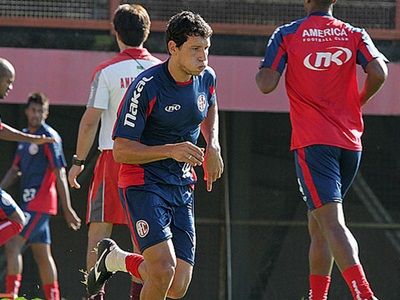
(22, 298)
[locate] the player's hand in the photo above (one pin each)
(188, 153)
(72, 219)
(213, 166)
(73, 174)
(43, 139)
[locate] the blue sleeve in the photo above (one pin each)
(366, 50)
(135, 108)
(56, 153)
(212, 88)
(275, 54)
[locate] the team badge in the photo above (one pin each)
(142, 228)
(201, 103)
(33, 149)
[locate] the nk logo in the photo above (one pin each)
(321, 61)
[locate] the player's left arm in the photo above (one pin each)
(213, 164)
(377, 72)
(71, 217)
(273, 63)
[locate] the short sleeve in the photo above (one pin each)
(134, 110)
(99, 92)
(366, 50)
(212, 85)
(55, 154)
(275, 56)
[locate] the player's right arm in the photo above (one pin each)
(98, 102)
(373, 63)
(9, 133)
(86, 135)
(10, 178)
(133, 152)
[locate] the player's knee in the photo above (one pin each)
(162, 274)
(12, 248)
(179, 286)
(178, 290)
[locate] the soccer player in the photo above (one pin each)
(12, 218)
(42, 172)
(321, 53)
(110, 82)
(158, 124)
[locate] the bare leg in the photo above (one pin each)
(45, 262)
(320, 257)
(97, 231)
(341, 241)
(13, 250)
(159, 266)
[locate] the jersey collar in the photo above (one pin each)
(138, 53)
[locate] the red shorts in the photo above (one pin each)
(104, 204)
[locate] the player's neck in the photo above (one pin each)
(321, 10)
(177, 73)
(123, 46)
(32, 129)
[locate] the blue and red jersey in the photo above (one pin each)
(38, 180)
(321, 53)
(157, 110)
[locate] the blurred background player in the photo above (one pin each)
(321, 53)
(12, 218)
(110, 82)
(42, 173)
(156, 132)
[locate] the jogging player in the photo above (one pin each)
(321, 53)
(155, 135)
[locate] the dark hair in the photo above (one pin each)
(132, 22)
(39, 98)
(323, 3)
(185, 24)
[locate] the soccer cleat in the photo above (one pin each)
(98, 275)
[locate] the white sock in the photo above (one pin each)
(115, 260)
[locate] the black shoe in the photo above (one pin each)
(98, 275)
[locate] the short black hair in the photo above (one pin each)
(39, 98)
(185, 24)
(132, 23)
(323, 3)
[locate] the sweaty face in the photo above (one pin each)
(6, 85)
(36, 114)
(192, 56)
